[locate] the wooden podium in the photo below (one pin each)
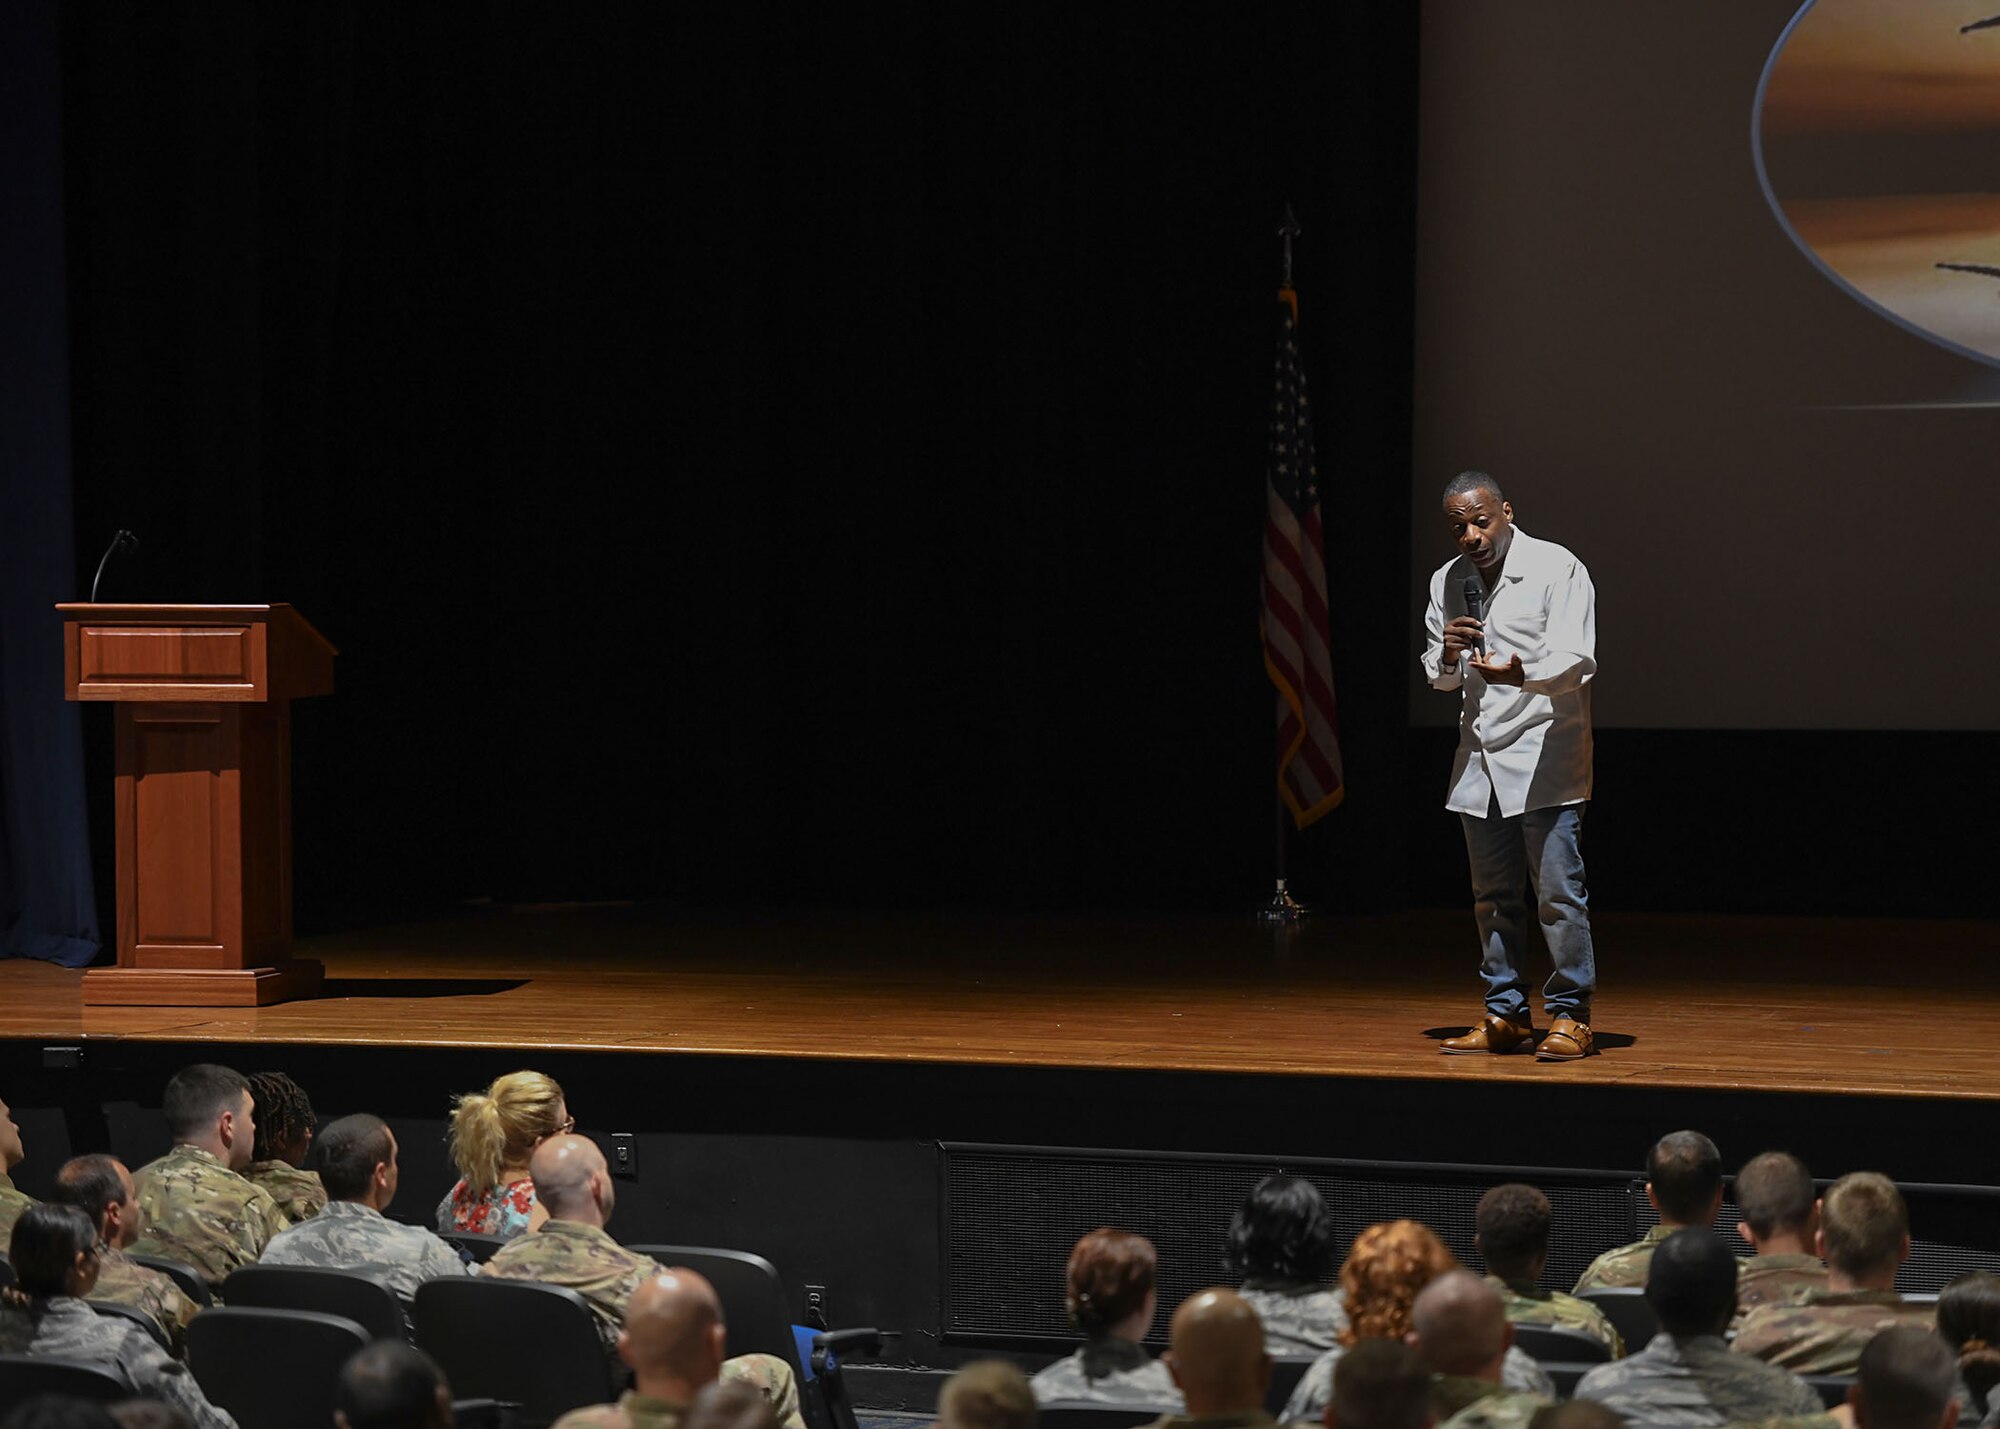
(204, 795)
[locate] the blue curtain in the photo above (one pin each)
(48, 908)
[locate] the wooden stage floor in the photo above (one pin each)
(1888, 1008)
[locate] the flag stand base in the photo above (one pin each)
(1282, 909)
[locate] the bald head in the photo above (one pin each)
(674, 1335)
(1459, 1325)
(571, 1179)
(1218, 1356)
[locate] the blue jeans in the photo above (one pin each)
(1539, 845)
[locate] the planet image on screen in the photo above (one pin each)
(1878, 140)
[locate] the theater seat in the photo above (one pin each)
(477, 1244)
(518, 1340)
(25, 1376)
(1626, 1308)
(1286, 1372)
(361, 1298)
(758, 1313)
(271, 1369)
(1083, 1414)
(1548, 1343)
(1564, 1375)
(182, 1274)
(1831, 1388)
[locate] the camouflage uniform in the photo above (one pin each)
(1531, 1305)
(587, 1260)
(63, 1325)
(1776, 1280)
(1108, 1371)
(1518, 1372)
(348, 1235)
(12, 1203)
(298, 1193)
(1695, 1383)
(123, 1281)
(1298, 1319)
(1624, 1267)
(198, 1211)
(1824, 1332)
(632, 1411)
(1463, 1402)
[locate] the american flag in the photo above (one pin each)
(1295, 638)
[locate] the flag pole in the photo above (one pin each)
(1282, 909)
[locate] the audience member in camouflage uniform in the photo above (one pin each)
(285, 1124)
(1218, 1362)
(1781, 1219)
(1512, 1233)
(389, 1382)
(1684, 1184)
(1686, 1377)
(1865, 1235)
(1968, 1319)
(1460, 1328)
(988, 1394)
(573, 1249)
(198, 1209)
(1384, 1271)
(673, 1337)
(54, 1251)
(1383, 1384)
(12, 1154)
(1281, 1246)
(1111, 1298)
(101, 1188)
(1907, 1379)
(357, 1163)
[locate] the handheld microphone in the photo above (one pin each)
(1475, 606)
(122, 544)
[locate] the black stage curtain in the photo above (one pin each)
(757, 451)
(47, 904)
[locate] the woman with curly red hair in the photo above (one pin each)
(1111, 1299)
(1388, 1265)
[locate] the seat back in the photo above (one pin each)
(136, 1316)
(478, 1244)
(1084, 1414)
(1831, 1388)
(1555, 1342)
(271, 1369)
(1564, 1375)
(25, 1376)
(752, 1295)
(1286, 1372)
(360, 1297)
(536, 1345)
(1626, 1308)
(184, 1275)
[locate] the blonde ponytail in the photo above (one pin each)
(497, 1128)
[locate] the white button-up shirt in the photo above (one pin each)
(1529, 747)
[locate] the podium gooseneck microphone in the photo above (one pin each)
(1475, 606)
(122, 544)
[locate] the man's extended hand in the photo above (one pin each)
(1461, 635)
(1497, 671)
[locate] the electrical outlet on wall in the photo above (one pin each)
(624, 1154)
(816, 1311)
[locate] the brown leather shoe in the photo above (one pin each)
(1495, 1034)
(1568, 1040)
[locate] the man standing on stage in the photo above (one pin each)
(1521, 779)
